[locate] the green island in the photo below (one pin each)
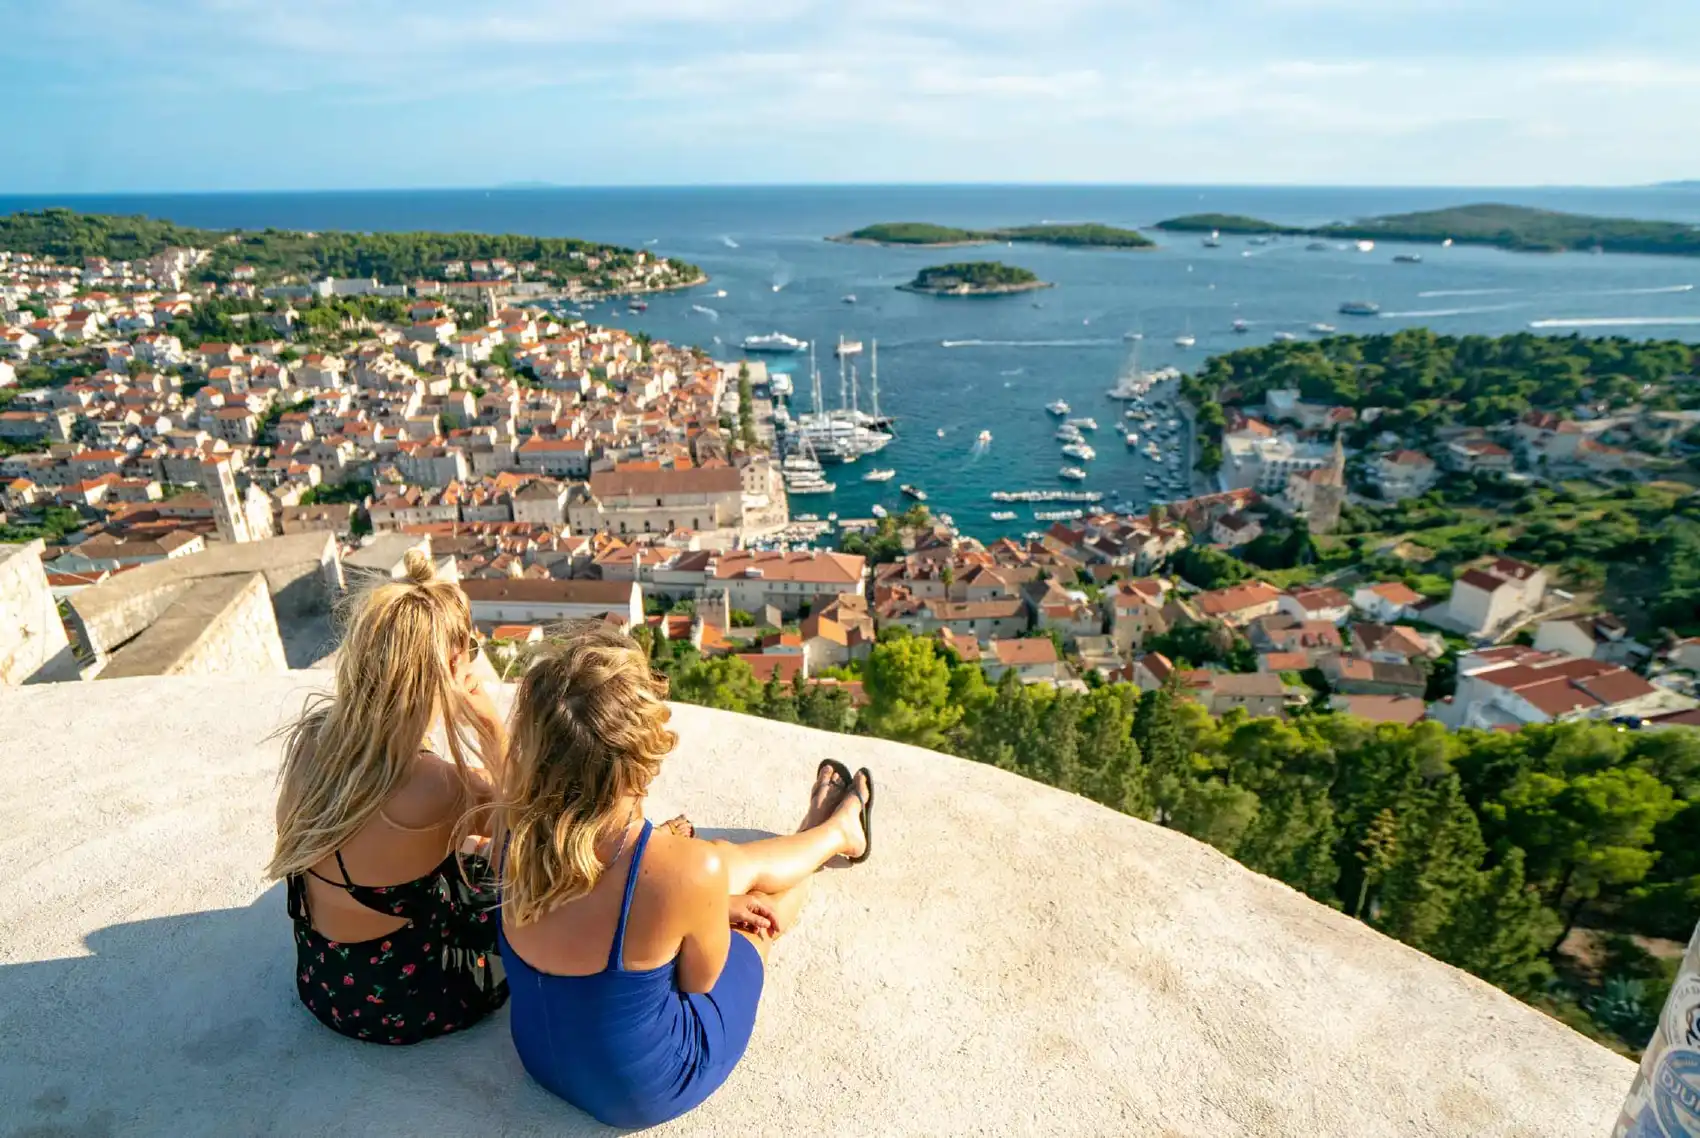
(1517, 228)
(1084, 235)
(278, 255)
(973, 278)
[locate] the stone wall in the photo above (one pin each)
(217, 626)
(33, 647)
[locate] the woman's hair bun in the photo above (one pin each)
(420, 569)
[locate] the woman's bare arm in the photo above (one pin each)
(699, 884)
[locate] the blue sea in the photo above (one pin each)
(963, 366)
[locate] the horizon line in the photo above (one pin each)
(522, 187)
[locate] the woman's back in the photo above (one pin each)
(598, 1016)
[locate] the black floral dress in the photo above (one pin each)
(437, 974)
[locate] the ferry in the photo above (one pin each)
(879, 476)
(777, 343)
(1360, 308)
(1072, 474)
(1058, 408)
(1087, 424)
(1058, 515)
(1003, 515)
(914, 492)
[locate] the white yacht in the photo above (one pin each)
(1132, 438)
(1322, 329)
(1003, 515)
(849, 298)
(847, 347)
(1058, 408)
(1366, 246)
(879, 511)
(776, 343)
(879, 476)
(914, 492)
(1087, 424)
(1069, 434)
(1072, 474)
(802, 487)
(1186, 339)
(1285, 337)
(779, 383)
(1081, 451)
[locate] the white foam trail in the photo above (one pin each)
(1617, 322)
(1012, 371)
(1026, 343)
(1431, 312)
(1466, 292)
(1638, 291)
(706, 311)
(727, 241)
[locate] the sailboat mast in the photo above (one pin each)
(874, 376)
(814, 381)
(843, 389)
(855, 397)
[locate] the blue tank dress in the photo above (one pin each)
(629, 1048)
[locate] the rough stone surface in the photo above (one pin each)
(217, 626)
(1013, 960)
(33, 647)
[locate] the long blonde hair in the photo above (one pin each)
(589, 731)
(349, 752)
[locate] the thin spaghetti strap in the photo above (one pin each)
(617, 954)
(347, 880)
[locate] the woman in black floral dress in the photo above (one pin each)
(395, 928)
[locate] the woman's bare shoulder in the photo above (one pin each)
(686, 863)
(433, 794)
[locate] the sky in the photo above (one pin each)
(170, 95)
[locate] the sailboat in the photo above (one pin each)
(1186, 339)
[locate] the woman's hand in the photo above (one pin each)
(478, 702)
(752, 913)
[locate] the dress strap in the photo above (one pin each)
(617, 955)
(343, 869)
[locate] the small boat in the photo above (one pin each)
(1318, 247)
(1068, 433)
(1323, 329)
(1360, 308)
(914, 492)
(720, 293)
(1214, 241)
(774, 342)
(1072, 474)
(1003, 515)
(1081, 451)
(1407, 258)
(1133, 336)
(1132, 438)
(879, 476)
(638, 305)
(985, 438)
(1446, 244)
(1366, 246)
(848, 348)
(1241, 326)
(813, 486)
(1257, 241)
(848, 298)
(879, 511)
(1087, 424)
(1284, 337)
(941, 432)
(1058, 408)
(1186, 341)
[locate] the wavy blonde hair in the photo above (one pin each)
(350, 751)
(589, 730)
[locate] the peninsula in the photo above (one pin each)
(1084, 235)
(973, 278)
(1517, 228)
(280, 257)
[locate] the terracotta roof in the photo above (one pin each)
(1397, 593)
(764, 666)
(660, 483)
(1237, 598)
(550, 592)
(1404, 709)
(1030, 650)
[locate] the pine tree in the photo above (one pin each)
(1500, 930)
(1157, 731)
(1376, 852)
(1438, 854)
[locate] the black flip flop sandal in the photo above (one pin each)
(867, 816)
(838, 768)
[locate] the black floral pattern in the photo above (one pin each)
(438, 974)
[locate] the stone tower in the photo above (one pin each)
(1328, 492)
(228, 510)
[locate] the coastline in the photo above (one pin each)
(964, 291)
(846, 239)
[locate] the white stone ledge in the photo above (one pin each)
(1013, 960)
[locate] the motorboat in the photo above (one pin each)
(1072, 474)
(848, 298)
(1285, 337)
(1241, 327)
(1366, 246)
(879, 511)
(1360, 308)
(1407, 258)
(847, 348)
(1069, 434)
(1318, 247)
(775, 343)
(1081, 451)
(1323, 329)
(638, 305)
(914, 492)
(1058, 408)
(1086, 424)
(985, 438)
(1186, 341)
(879, 476)
(1132, 438)
(1003, 515)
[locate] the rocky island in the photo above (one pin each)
(1513, 227)
(973, 278)
(1084, 235)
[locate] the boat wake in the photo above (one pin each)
(1013, 371)
(1434, 312)
(726, 240)
(1434, 292)
(1637, 291)
(1028, 343)
(706, 311)
(1617, 322)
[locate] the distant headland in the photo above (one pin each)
(1084, 235)
(1513, 227)
(973, 278)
